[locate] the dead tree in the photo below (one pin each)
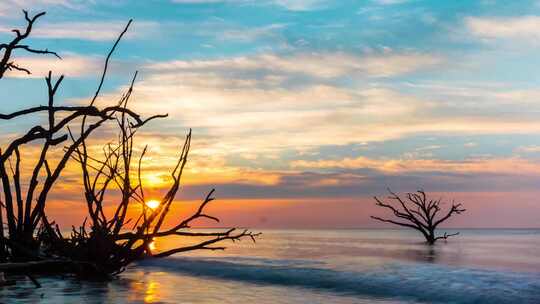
(419, 213)
(25, 206)
(111, 242)
(109, 245)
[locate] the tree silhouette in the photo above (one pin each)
(109, 245)
(419, 213)
(6, 63)
(25, 207)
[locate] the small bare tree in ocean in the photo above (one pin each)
(418, 212)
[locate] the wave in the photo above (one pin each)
(417, 282)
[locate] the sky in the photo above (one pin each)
(303, 110)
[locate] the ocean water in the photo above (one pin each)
(321, 266)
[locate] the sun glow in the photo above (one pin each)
(152, 204)
(152, 245)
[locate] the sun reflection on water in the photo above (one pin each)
(151, 292)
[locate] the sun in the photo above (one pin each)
(152, 204)
(152, 245)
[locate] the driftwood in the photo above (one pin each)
(418, 213)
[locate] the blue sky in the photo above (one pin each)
(313, 99)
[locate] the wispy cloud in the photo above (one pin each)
(90, 30)
(70, 65)
(522, 27)
(408, 166)
(323, 65)
(528, 149)
(389, 2)
(9, 7)
(250, 34)
(300, 5)
(293, 5)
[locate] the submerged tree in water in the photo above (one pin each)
(419, 213)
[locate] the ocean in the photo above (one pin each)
(321, 266)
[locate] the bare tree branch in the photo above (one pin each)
(6, 64)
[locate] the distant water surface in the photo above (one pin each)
(322, 266)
